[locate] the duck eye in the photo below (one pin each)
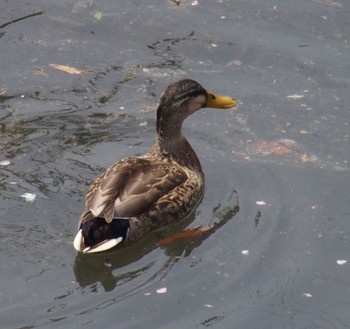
(213, 97)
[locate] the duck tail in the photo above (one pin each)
(96, 235)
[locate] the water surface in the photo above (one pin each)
(277, 168)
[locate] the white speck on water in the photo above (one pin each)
(22, 96)
(28, 197)
(147, 294)
(245, 252)
(261, 203)
(121, 108)
(145, 123)
(162, 290)
(223, 17)
(209, 305)
(194, 3)
(341, 261)
(214, 45)
(13, 183)
(308, 295)
(5, 162)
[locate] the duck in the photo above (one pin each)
(138, 195)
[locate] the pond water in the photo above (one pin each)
(277, 167)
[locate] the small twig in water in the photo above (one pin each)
(21, 18)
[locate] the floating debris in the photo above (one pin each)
(162, 290)
(28, 197)
(341, 261)
(40, 71)
(245, 252)
(98, 15)
(269, 147)
(209, 305)
(5, 163)
(308, 295)
(21, 18)
(257, 218)
(295, 96)
(66, 69)
(329, 3)
(194, 3)
(261, 203)
(234, 62)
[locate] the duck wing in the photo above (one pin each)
(129, 188)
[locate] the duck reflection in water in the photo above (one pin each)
(107, 268)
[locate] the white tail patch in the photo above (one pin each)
(78, 242)
(103, 246)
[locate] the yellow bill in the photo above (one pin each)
(221, 102)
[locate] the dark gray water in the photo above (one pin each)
(277, 168)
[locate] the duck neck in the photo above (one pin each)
(181, 151)
(172, 144)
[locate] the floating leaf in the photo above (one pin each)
(98, 15)
(66, 69)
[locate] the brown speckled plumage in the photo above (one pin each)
(137, 195)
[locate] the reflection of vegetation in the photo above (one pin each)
(46, 148)
(165, 50)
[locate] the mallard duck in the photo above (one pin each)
(137, 195)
